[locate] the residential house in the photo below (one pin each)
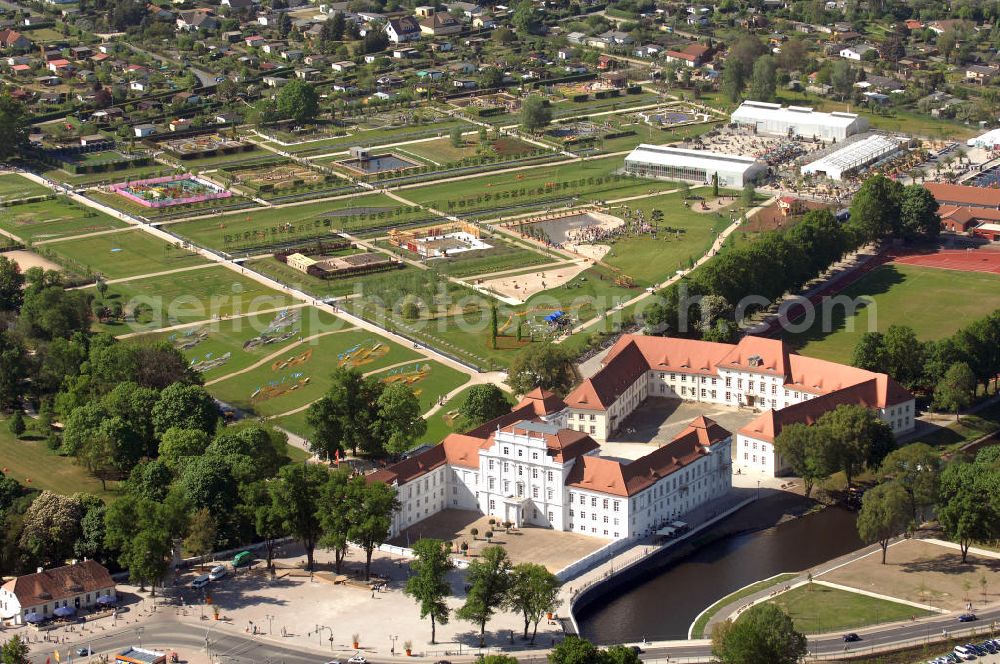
(440, 25)
(856, 52)
(403, 29)
(198, 20)
(692, 55)
(343, 66)
(981, 74)
(180, 125)
(14, 41)
(81, 585)
(144, 130)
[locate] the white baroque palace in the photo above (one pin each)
(541, 464)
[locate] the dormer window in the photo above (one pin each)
(755, 360)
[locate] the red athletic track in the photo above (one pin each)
(974, 260)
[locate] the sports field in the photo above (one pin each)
(14, 187)
(934, 302)
(221, 348)
(188, 297)
(306, 220)
(56, 218)
(303, 374)
(126, 254)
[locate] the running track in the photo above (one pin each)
(971, 260)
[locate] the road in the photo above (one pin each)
(164, 631)
(206, 79)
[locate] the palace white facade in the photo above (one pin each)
(540, 464)
(528, 469)
(757, 373)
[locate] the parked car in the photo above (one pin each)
(851, 638)
(201, 581)
(218, 572)
(636, 649)
(242, 558)
(334, 661)
(967, 617)
(358, 658)
(84, 652)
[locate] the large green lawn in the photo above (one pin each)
(56, 218)
(306, 220)
(934, 302)
(689, 234)
(817, 609)
(32, 464)
(303, 375)
(14, 187)
(429, 380)
(125, 254)
(189, 297)
(498, 187)
(246, 340)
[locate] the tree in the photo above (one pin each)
(749, 194)
(543, 365)
(372, 507)
(494, 327)
(185, 407)
(11, 283)
(16, 424)
(967, 508)
(523, 21)
(429, 584)
(344, 416)
(14, 123)
(904, 355)
(946, 43)
(297, 101)
(267, 520)
(51, 526)
(14, 651)
(918, 213)
(48, 311)
(804, 448)
(398, 421)
(955, 390)
(489, 580)
(177, 445)
(482, 403)
(917, 469)
(13, 368)
(764, 633)
(534, 591)
(858, 438)
(715, 185)
(763, 79)
(885, 513)
(535, 114)
(574, 650)
(202, 529)
(490, 78)
(875, 210)
(294, 497)
(869, 353)
(336, 514)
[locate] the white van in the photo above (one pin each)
(964, 653)
(201, 581)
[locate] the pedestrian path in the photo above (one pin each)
(148, 275)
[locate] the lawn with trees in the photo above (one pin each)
(816, 608)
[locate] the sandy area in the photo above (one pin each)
(524, 286)
(925, 572)
(27, 259)
(711, 205)
(594, 252)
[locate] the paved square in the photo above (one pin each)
(925, 572)
(551, 548)
(657, 420)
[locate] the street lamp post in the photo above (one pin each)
(393, 637)
(269, 619)
(139, 631)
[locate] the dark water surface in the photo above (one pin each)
(663, 602)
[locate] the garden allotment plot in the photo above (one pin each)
(302, 375)
(189, 297)
(219, 348)
(53, 219)
(119, 255)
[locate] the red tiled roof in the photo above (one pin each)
(59, 583)
(964, 195)
(542, 402)
(562, 444)
(609, 476)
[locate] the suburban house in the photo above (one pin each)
(440, 25)
(68, 588)
(15, 41)
(403, 29)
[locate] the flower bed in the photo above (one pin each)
(169, 191)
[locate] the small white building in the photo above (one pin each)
(81, 585)
(776, 120)
(698, 166)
